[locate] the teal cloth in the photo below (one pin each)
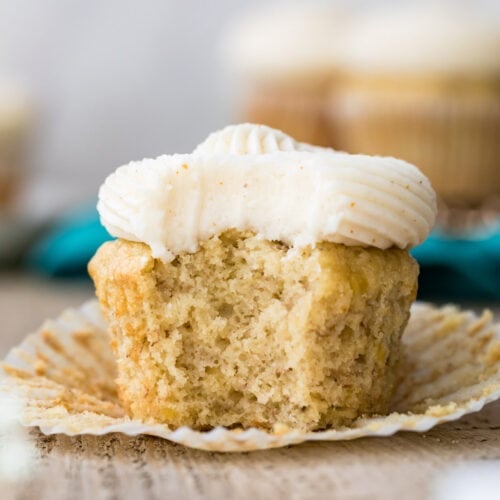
(453, 268)
(65, 249)
(450, 268)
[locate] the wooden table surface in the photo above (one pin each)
(405, 466)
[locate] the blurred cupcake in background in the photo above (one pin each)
(15, 117)
(422, 83)
(285, 58)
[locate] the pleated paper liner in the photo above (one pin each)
(300, 113)
(64, 375)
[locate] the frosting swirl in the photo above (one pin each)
(250, 139)
(254, 178)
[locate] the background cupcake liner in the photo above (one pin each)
(15, 126)
(452, 138)
(63, 375)
(301, 114)
(12, 163)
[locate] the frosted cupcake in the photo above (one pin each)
(423, 84)
(259, 282)
(285, 60)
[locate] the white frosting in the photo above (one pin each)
(432, 38)
(295, 44)
(297, 197)
(250, 138)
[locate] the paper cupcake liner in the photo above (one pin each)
(302, 115)
(15, 122)
(452, 139)
(64, 377)
(11, 170)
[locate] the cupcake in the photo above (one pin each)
(423, 84)
(259, 282)
(284, 58)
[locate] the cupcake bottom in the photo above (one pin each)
(450, 132)
(301, 114)
(245, 333)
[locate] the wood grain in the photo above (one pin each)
(118, 467)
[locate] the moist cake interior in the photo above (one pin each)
(248, 332)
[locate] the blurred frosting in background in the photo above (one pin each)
(424, 39)
(288, 45)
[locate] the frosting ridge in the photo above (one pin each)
(250, 138)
